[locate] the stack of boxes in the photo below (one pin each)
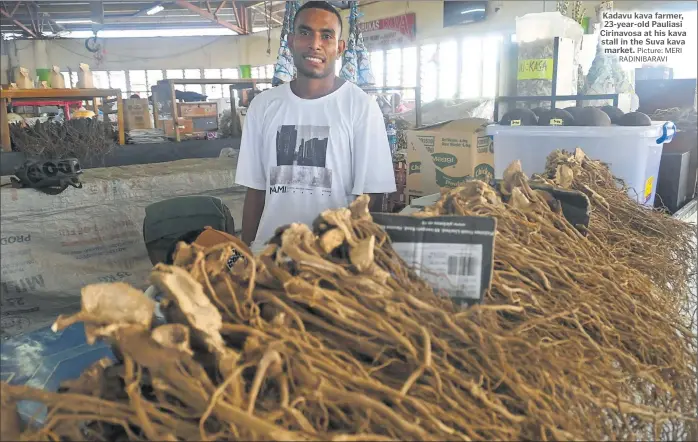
(203, 117)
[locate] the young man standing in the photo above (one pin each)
(313, 144)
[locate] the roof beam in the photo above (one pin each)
(266, 14)
(32, 14)
(15, 8)
(18, 23)
(242, 16)
(97, 15)
(207, 15)
(215, 13)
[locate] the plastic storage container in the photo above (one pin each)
(632, 153)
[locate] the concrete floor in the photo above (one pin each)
(139, 154)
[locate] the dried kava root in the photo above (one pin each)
(645, 239)
(327, 335)
(86, 139)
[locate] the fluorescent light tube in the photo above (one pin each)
(468, 11)
(74, 22)
(155, 9)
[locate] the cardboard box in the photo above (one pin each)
(200, 109)
(85, 80)
(446, 155)
(22, 79)
(137, 114)
(55, 79)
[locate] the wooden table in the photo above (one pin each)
(65, 104)
(58, 94)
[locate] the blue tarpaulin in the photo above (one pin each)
(44, 359)
(356, 64)
(285, 70)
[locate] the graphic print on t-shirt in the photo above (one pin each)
(301, 157)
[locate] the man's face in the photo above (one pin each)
(316, 43)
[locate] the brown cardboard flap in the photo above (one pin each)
(468, 124)
(447, 155)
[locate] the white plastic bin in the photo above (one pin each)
(632, 153)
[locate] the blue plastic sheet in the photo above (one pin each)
(285, 69)
(350, 68)
(356, 64)
(44, 359)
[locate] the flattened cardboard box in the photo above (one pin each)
(137, 114)
(445, 155)
(198, 109)
(454, 254)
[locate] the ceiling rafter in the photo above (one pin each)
(15, 8)
(208, 15)
(266, 13)
(48, 18)
(17, 22)
(32, 16)
(215, 13)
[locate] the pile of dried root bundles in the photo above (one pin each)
(81, 138)
(328, 336)
(647, 240)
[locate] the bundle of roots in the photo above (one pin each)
(685, 119)
(81, 138)
(226, 124)
(327, 335)
(644, 239)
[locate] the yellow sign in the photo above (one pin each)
(648, 188)
(535, 69)
(515, 123)
(556, 122)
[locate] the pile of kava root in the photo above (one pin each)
(327, 335)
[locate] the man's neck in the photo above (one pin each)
(312, 88)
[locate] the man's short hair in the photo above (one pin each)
(319, 4)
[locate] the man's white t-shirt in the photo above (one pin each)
(312, 155)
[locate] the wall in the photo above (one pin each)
(136, 53)
(4, 61)
(231, 51)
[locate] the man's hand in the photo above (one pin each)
(252, 214)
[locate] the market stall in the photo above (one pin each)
(57, 94)
(544, 297)
(166, 109)
(533, 286)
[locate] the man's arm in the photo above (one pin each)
(252, 213)
(251, 172)
(373, 163)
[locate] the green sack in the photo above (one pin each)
(182, 219)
